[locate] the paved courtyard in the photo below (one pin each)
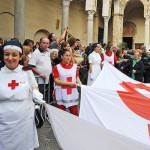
(46, 138)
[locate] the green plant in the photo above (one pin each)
(122, 45)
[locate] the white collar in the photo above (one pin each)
(95, 52)
(5, 69)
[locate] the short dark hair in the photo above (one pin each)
(1, 40)
(71, 41)
(94, 46)
(50, 37)
(27, 42)
(15, 39)
(108, 47)
(104, 44)
(41, 39)
(64, 51)
(64, 44)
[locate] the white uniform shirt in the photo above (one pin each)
(95, 60)
(42, 62)
(17, 124)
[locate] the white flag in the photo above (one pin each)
(73, 133)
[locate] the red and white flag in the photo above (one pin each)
(118, 103)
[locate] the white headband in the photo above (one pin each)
(13, 47)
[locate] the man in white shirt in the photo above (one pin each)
(41, 63)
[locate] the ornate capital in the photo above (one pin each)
(122, 4)
(119, 6)
(147, 10)
(66, 3)
(121, 15)
(110, 3)
(90, 15)
(106, 18)
(147, 17)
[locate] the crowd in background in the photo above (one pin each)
(89, 59)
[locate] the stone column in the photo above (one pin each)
(117, 29)
(95, 27)
(106, 20)
(19, 23)
(90, 26)
(65, 14)
(147, 31)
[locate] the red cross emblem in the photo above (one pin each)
(13, 84)
(67, 87)
(139, 104)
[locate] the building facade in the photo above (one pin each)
(106, 21)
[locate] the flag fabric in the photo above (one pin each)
(118, 103)
(110, 77)
(73, 133)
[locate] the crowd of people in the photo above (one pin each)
(64, 62)
(44, 55)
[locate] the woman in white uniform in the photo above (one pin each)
(17, 125)
(94, 64)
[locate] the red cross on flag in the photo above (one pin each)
(118, 103)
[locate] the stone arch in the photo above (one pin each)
(129, 29)
(134, 20)
(128, 1)
(40, 33)
(7, 25)
(138, 3)
(6, 13)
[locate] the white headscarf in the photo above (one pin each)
(54, 50)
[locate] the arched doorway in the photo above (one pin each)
(134, 24)
(40, 33)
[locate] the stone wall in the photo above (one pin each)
(45, 16)
(6, 18)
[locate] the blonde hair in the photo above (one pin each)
(26, 50)
(139, 51)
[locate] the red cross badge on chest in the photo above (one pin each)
(13, 84)
(67, 87)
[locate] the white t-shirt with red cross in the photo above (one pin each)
(17, 109)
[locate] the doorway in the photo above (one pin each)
(129, 41)
(100, 34)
